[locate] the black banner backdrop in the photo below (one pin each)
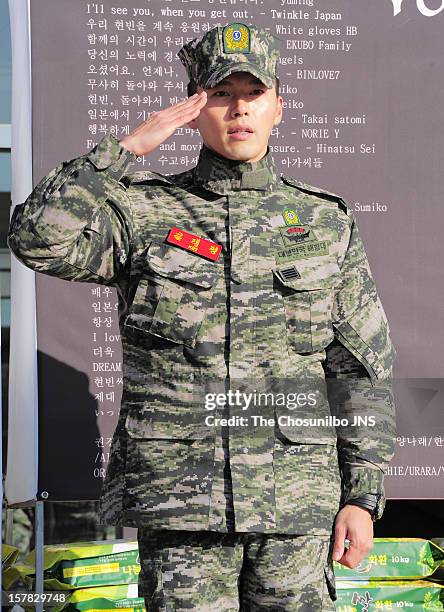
(363, 117)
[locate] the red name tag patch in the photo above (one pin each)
(190, 242)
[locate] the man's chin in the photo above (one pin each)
(240, 151)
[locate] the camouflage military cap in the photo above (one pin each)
(235, 47)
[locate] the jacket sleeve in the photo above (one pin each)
(359, 378)
(77, 222)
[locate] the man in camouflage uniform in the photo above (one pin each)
(232, 280)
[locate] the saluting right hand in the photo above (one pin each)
(160, 125)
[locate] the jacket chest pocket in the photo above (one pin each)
(173, 295)
(308, 304)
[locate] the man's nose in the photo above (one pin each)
(239, 106)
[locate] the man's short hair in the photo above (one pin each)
(192, 87)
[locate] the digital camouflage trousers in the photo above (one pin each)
(207, 571)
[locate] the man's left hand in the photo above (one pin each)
(354, 524)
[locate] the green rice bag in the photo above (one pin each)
(123, 597)
(81, 564)
(362, 596)
(395, 558)
(9, 555)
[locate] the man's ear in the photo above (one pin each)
(279, 109)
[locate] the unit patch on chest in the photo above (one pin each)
(296, 234)
(290, 217)
(301, 251)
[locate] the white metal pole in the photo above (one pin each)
(22, 472)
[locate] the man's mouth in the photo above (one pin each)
(241, 135)
(240, 130)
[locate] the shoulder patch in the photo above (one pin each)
(144, 176)
(180, 180)
(321, 193)
(183, 179)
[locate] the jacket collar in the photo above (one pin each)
(222, 175)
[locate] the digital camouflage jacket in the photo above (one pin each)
(288, 307)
